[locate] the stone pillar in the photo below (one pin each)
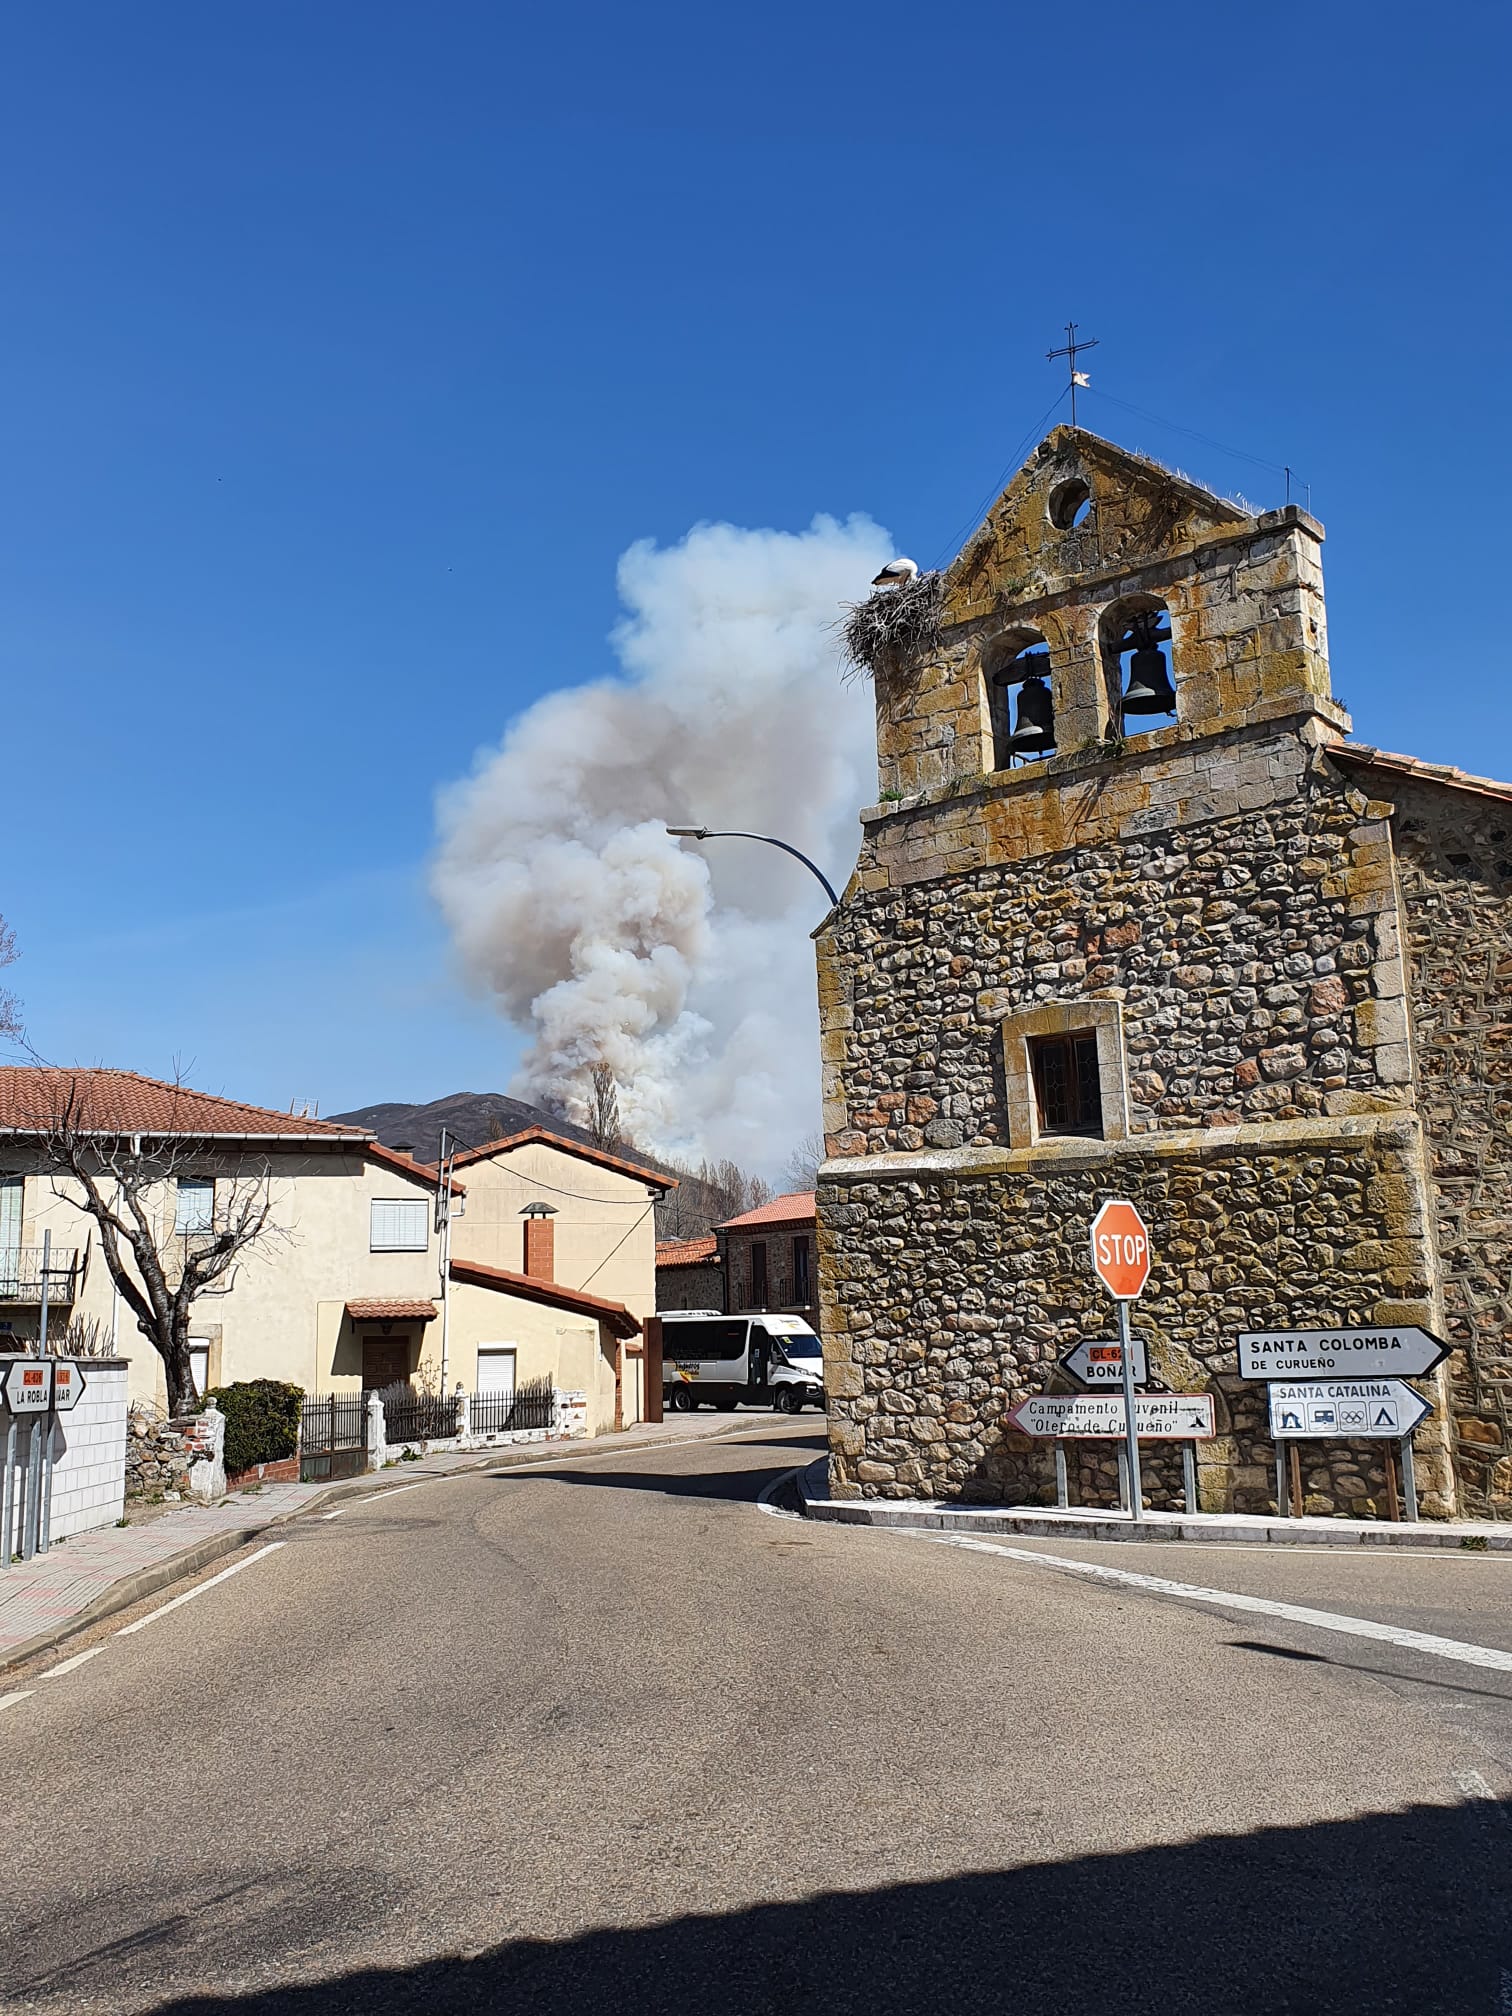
(207, 1473)
(377, 1449)
(464, 1413)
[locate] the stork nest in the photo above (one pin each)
(881, 635)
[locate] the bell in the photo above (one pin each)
(1033, 720)
(1149, 690)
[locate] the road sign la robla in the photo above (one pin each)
(1121, 1250)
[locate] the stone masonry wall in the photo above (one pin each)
(949, 1294)
(1249, 968)
(1454, 853)
(782, 1285)
(159, 1453)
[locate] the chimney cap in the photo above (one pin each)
(539, 1211)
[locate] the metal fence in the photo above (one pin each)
(528, 1406)
(409, 1416)
(332, 1435)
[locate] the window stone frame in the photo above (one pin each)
(1089, 1015)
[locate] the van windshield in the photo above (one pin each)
(799, 1344)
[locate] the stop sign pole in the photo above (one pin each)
(1121, 1261)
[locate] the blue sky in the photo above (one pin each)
(346, 347)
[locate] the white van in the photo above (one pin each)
(769, 1361)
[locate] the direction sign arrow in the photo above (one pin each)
(1098, 1361)
(1379, 1409)
(1170, 1416)
(28, 1385)
(1403, 1350)
(68, 1385)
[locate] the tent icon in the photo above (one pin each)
(1385, 1417)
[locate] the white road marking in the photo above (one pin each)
(190, 1594)
(1474, 1786)
(1229, 1599)
(68, 1665)
(10, 1700)
(373, 1497)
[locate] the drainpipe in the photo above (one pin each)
(443, 1215)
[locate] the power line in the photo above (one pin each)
(1014, 460)
(620, 1242)
(1191, 433)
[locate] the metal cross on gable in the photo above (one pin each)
(1069, 351)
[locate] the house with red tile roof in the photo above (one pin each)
(582, 1220)
(768, 1257)
(689, 1274)
(349, 1292)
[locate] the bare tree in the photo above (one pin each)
(802, 1172)
(10, 1007)
(707, 1193)
(603, 1121)
(128, 1183)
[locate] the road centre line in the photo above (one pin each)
(1461, 1653)
(21, 1694)
(68, 1665)
(190, 1594)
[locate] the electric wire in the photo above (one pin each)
(620, 1242)
(953, 543)
(1191, 433)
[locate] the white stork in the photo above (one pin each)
(897, 574)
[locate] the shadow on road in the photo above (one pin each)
(740, 1486)
(1403, 1912)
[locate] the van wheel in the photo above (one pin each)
(682, 1399)
(783, 1400)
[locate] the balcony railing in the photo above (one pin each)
(21, 1274)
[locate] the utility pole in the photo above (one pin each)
(1069, 351)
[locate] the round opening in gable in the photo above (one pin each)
(1070, 504)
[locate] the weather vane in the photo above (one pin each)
(1069, 353)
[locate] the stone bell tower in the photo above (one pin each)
(1124, 922)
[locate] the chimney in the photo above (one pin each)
(540, 1242)
(404, 1148)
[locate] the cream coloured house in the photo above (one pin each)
(578, 1218)
(346, 1292)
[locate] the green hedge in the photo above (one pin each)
(262, 1420)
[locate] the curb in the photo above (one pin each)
(132, 1588)
(1214, 1529)
(179, 1567)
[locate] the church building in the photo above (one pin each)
(1135, 917)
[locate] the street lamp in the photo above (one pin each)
(703, 833)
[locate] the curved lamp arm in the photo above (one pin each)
(704, 833)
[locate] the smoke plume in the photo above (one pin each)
(687, 969)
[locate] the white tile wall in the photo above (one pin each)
(89, 1452)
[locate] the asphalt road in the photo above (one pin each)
(603, 1736)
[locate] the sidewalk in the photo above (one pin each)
(92, 1575)
(1093, 1523)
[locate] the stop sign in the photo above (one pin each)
(1121, 1250)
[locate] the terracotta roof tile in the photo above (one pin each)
(581, 1149)
(794, 1207)
(1362, 756)
(552, 1293)
(373, 1309)
(124, 1102)
(686, 1252)
(406, 1165)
